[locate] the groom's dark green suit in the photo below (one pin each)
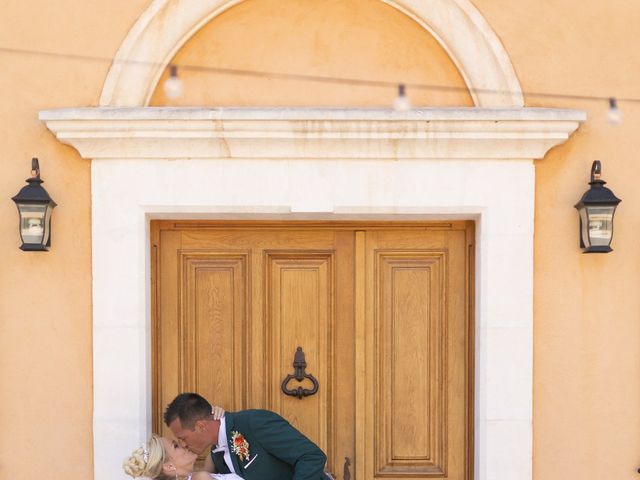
(277, 451)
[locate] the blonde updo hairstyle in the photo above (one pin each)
(147, 460)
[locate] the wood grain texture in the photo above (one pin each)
(300, 295)
(362, 407)
(411, 380)
(214, 320)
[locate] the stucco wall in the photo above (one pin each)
(587, 354)
(586, 307)
(45, 298)
(359, 39)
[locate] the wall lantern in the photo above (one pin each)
(34, 207)
(597, 207)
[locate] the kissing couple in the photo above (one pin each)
(249, 444)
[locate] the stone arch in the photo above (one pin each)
(167, 25)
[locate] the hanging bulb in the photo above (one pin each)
(401, 103)
(614, 115)
(173, 84)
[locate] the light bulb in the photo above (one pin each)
(173, 84)
(614, 115)
(401, 103)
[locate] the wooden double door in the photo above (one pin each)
(382, 312)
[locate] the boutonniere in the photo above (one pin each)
(239, 445)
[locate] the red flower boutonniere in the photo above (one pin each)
(239, 445)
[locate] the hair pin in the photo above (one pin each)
(145, 453)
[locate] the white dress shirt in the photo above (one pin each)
(222, 476)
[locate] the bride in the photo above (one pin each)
(164, 459)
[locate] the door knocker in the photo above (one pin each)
(299, 366)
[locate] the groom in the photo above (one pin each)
(254, 444)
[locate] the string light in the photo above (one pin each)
(614, 115)
(402, 102)
(173, 85)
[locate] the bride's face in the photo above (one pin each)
(181, 458)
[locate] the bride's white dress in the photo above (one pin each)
(223, 476)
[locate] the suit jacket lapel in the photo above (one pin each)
(234, 458)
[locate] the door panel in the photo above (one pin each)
(382, 315)
(416, 337)
(300, 294)
(213, 322)
(410, 363)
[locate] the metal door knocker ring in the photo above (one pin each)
(299, 366)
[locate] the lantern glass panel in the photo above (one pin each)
(600, 225)
(47, 226)
(33, 223)
(584, 223)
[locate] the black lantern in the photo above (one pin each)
(597, 207)
(35, 207)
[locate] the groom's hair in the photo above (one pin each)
(189, 408)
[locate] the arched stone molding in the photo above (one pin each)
(168, 24)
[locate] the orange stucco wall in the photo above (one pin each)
(359, 39)
(586, 307)
(587, 310)
(45, 298)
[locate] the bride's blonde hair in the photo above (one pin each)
(147, 460)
